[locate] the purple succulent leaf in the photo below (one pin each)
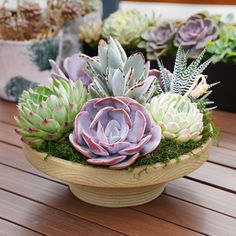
(134, 106)
(93, 146)
(74, 67)
(98, 116)
(56, 69)
(115, 147)
(82, 122)
(101, 134)
(107, 161)
(126, 163)
(82, 149)
(110, 126)
(119, 114)
(137, 130)
(134, 148)
(111, 101)
(154, 141)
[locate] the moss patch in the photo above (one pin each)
(167, 150)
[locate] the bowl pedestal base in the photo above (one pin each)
(116, 197)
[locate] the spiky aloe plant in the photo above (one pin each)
(48, 113)
(173, 108)
(113, 74)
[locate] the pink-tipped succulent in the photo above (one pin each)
(114, 132)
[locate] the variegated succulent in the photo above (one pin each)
(48, 113)
(114, 132)
(113, 74)
(126, 27)
(172, 109)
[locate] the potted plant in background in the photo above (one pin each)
(119, 137)
(87, 12)
(29, 37)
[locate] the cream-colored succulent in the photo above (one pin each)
(179, 118)
(126, 26)
(90, 32)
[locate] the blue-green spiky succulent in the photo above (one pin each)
(113, 74)
(48, 113)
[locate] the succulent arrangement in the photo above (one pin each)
(113, 111)
(126, 27)
(157, 38)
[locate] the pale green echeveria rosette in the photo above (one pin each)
(48, 112)
(126, 27)
(178, 117)
(114, 74)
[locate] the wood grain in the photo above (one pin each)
(185, 189)
(46, 220)
(124, 220)
(11, 229)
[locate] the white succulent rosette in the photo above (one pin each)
(179, 118)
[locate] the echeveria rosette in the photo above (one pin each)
(74, 67)
(48, 113)
(195, 33)
(179, 118)
(114, 132)
(155, 40)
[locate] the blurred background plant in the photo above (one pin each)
(127, 27)
(90, 33)
(29, 21)
(224, 48)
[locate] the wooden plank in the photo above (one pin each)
(223, 156)
(225, 121)
(185, 189)
(46, 220)
(191, 216)
(228, 141)
(8, 135)
(124, 220)
(215, 175)
(7, 111)
(203, 195)
(11, 229)
(199, 219)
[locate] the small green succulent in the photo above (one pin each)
(126, 27)
(48, 113)
(224, 48)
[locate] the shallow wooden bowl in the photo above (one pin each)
(117, 188)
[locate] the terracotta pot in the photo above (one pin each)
(25, 64)
(117, 188)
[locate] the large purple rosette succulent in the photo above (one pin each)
(114, 132)
(195, 33)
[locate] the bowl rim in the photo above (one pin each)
(96, 176)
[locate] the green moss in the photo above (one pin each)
(167, 150)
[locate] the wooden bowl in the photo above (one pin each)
(117, 188)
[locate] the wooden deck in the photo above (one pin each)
(202, 203)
